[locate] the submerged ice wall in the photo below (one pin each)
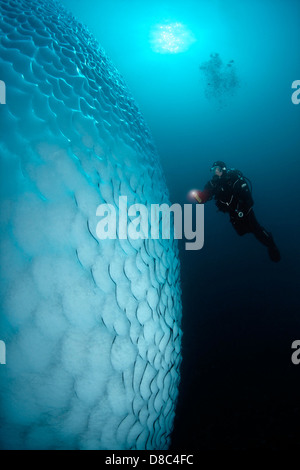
(91, 328)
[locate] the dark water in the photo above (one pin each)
(239, 388)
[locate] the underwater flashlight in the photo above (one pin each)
(196, 196)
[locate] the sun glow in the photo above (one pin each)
(171, 38)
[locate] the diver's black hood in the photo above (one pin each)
(219, 163)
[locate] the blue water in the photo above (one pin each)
(239, 388)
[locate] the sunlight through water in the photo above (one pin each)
(171, 38)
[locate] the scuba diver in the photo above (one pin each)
(232, 194)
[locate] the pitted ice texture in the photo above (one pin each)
(91, 327)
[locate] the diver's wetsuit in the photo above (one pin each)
(232, 194)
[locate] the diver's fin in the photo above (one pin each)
(274, 253)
